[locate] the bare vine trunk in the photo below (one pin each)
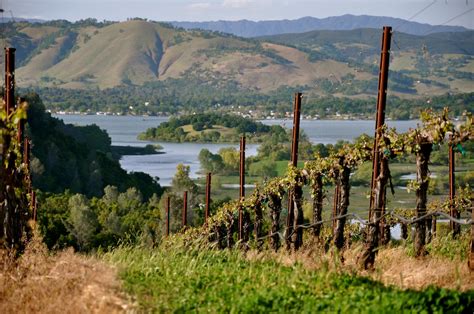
(386, 234)
(297, 238)
(404, 230)
(428, 230)
(433, 226)
(317, 205)
(258, 227)
(343, 181)
(274, 202)
(372, 240)
(230, 229)
(245, 226)
(14, 212)
(290, 220)
(422, 159)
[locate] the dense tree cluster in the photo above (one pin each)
(205, 127)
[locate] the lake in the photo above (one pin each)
(123, 130)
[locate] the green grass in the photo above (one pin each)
(219, 128)
(174, 279)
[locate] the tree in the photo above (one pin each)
(82, 220)
(231, 159)
(181, 181)
(210, 162)
(264, 169)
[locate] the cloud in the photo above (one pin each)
(200, 5)
(236, 3)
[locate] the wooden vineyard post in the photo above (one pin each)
(295, 218)
(242, 185)
(381, 104)
(379, 178)
(167, 208)
(208, 197)
(185, 209)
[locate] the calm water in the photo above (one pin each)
(123, 130)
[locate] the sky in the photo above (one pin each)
(436, 12)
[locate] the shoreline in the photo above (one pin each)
(331, 118)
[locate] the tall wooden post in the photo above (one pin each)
(290, 221)
(168, 216)
(381, 104)
(9, 80)
(455, 228)
(379, 164)
(208, 197)
(242, 184)
(185, 209)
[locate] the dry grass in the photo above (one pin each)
(393, 266)
(62, 283)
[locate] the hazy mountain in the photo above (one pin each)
(8, 19)
(89, 55)
(246, 28)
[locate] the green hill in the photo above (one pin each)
(91, 55)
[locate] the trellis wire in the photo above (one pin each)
(364, 222)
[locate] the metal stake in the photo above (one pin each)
(185, 209)
(242, 184)
(167, 216)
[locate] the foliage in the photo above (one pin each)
(14, 181)
(263, 169)
(444, 246)
(74, 220)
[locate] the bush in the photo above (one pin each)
(265, 168)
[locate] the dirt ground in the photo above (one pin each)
(39, 282)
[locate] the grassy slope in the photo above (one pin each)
(405, 50)
(183, 280)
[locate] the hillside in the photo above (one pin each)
(246, 28)
(77, 159)
(91, 55)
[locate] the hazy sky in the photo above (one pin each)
(437, 12)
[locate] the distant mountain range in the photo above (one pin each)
(246, 28)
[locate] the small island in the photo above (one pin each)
(213, 128)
